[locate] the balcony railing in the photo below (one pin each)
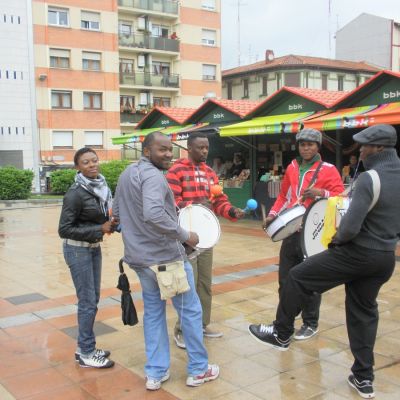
(163, 6)
(147, 41)
(131, 117)
(149, 79)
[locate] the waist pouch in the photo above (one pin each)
(171, 278)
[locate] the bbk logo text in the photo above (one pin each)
(391, 95)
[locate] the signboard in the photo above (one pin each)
(295, 104)
(387, 93)
(219, 114)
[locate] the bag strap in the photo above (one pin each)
(314, 177)
(376, 187)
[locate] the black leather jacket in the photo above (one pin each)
(81, 216)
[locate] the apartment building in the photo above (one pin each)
(259, 80)
(371, 38)
(19, 145)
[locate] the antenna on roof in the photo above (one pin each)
(329, 27)
(239, 4)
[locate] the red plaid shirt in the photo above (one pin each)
(191, 184)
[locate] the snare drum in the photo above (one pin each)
(200, 219)
(286, 223)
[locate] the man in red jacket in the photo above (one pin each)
(190, 180)
(296, 186)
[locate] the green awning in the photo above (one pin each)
(286, 123)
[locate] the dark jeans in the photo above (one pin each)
(290, 255)
(85, 267)
(363, 271)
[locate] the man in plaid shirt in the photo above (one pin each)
(191, 180)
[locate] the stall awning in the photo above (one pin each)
(357, 117)
(174, 132)
(286, 123)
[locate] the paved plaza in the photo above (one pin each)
(38, 325)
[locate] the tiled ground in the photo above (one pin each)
(38, 324)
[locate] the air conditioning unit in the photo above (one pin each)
(141, 62)
(141, 24)
(143, 99)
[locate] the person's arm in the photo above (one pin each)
(351, 222)
(282, 198)
(175, 184)
(154, 190)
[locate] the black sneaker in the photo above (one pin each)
(98, 352)
(268, 335)
(364, 388)
(305, 332)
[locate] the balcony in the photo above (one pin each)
(131, 117)
(149, 79)
(158, 6)
(147, 41)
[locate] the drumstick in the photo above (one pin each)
(263, 212)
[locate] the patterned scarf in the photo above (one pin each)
(99, 188)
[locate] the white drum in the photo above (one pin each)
(286, 223)
(198, 218)
(313, 225)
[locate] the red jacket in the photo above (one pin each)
(191, 184)
(328, 179)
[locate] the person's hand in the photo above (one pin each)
(312, 193)
(107, 227)
(239, 213)
(267, 222)
(193, 239)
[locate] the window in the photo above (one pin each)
(59, 58)
(324, 81)
(292, 79)
(125, 28)
(126, 66)
(209, 72)
(58, 16)
(340, 82)
(208, 4)
(62, 139)
(159, 30)
(245, 88)
(265, 85)
(94, 139)
(61, 99)
(162, 101)
(92, 101)
(90, 21)
(161, 68)
(229, 90)
(209, 37)
(127, 104)
(91, 61)
(278, 81)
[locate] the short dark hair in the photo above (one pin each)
(193, 136)
(150, 138)
(81, 152)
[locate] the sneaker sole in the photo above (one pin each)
(205, 380)
(363, 395)
(305, 338)
(266, 343)
(77, 356)
(215, 336)
(111, 364)
(163, 379)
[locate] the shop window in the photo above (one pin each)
(62, 139)
(58, 16)
(91, 61)
(94, 139)
(90, 21)
(92, 101)
(60, 58)
(209, 72)
(61, 99)
(324, 81)
(208, 37)
(245, 88)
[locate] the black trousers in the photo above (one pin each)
(290, 255)
(363, 271)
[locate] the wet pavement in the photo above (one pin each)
(38, 325)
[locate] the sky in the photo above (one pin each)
(302, 27)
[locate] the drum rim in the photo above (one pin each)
(279, 216)
(214, 217)
(281, 228)
(302, 241)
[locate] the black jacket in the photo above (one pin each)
(81, 216)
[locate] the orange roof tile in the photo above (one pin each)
(324, 97)
(304, 61)
(176, 113)
(239, 107)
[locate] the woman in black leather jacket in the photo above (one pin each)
(85, 218)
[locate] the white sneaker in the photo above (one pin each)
(95, 361)
(197, 380)
(98, 352)
(154, 383)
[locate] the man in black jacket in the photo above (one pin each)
(361, 256)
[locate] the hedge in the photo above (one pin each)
(15, 184)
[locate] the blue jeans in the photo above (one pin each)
(156, 338)
(85, 266)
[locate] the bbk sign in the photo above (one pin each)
(295, 107)
(391, 95)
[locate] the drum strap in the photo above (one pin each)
(376, 187)
(314, 177)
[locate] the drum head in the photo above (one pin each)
(313, 224)
(199, 219)
(287, 223)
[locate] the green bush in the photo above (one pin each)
(61, 180)
(112, 170)
(15, 184)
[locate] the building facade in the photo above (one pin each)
(19, 144)
(259, 80)
(371, 38)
